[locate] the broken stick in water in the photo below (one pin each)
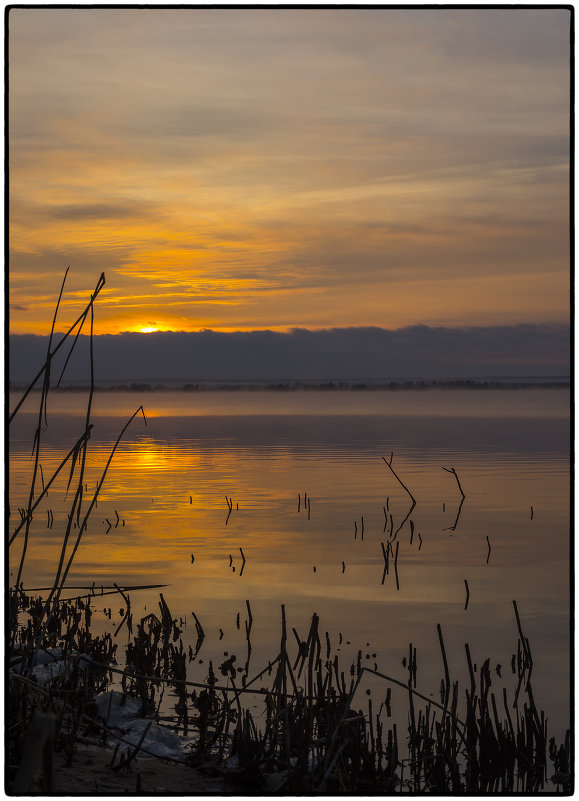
(389, 465)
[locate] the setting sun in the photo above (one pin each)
(148, 329)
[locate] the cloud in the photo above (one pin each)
(418, 351)
(292, 167)
(99, 211)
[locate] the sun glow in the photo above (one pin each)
(148, 329)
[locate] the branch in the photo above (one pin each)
(389, 465)
(453, 471)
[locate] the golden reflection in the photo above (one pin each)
(171, 500)
(147, 455)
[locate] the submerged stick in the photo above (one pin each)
(524, 640)
(445, 663)
(385, 552)
(198, 626)
(453, 471)
(389, 465)
(250, 620)
(457, 518)
(467, 595)
(110, 592)
(127, 601)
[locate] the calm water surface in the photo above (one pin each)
(170, 478)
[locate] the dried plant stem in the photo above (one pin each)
(54, 594)
(80, 320)
(75, 448)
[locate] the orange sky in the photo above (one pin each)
(244, 169)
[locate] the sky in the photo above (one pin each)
(239, 169)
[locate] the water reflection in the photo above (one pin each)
(209, 486)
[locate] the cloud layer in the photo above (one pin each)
(349, 354)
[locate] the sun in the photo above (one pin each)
(148, 329)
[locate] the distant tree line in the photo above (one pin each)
(326, 386)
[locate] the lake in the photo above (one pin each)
(296, 483)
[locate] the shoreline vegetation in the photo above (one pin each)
(317, 386)
(316, 732)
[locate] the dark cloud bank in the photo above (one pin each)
(418, 352)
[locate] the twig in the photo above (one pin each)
(249, 624)
(198, 627)
(457, 518)
(453, 471)
(385, 552)
(389, 465)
